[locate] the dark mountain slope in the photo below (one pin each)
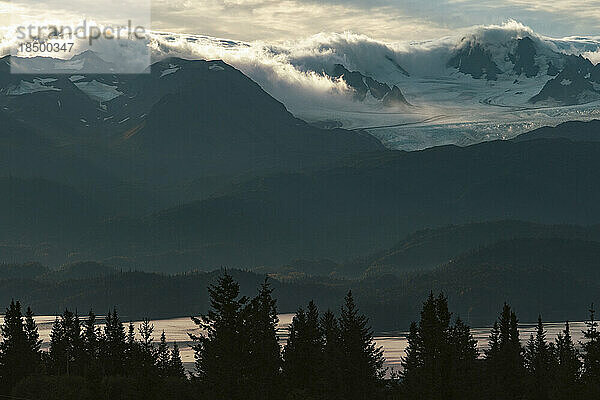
(373, 201)
(430, 248)
(574, 130)
(26, 153)
(555, 277)
(36, 210)
(184, 129)
(141, 295)
(223, 123)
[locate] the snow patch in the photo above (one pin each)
(38, 85)
(70, 65)
(46, 80)
(76, 78)
(99, 91)
(171, 70)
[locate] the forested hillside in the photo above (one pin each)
(554, 276)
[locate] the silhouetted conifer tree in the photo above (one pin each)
(440, 358)
(92, 337)
(331, 371)
(568, 366)
(144, 352)
(505, 366)
(494, 341)
(66, 356)
(146, 331)
(16, 350)
(34, 342)
(76, 339)
(220, 352)
(427, 357)
(539, 361)
(264, 353)
(163, 356)
(114, 345)
(412, 375)
(176, 368)
(57, 358)
(362, 360)
(492, 365)
(131, 335)
(463, 359)
(591, 356)
(132, 351)
(302, 352)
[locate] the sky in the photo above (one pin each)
(390, 20)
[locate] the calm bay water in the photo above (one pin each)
(394, 343)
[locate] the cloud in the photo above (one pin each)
(581, 16)
(271, 69)
(294, 71)
(391, 20)
(73, 12)
(287, 19)
(284, 45)
(380, 19)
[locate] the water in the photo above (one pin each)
(394, 343)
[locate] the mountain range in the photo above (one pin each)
(570, 79)
(193, 166)
(185, 124)
(554, 276)
(479, 84)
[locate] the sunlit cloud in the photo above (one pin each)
(382, 19)
(287, 19)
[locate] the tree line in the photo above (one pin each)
(442, 360)
(84, 360)
(325, 356)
